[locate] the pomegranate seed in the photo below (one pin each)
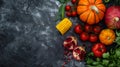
(68, 39)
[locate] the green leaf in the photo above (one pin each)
(117, 33)
(90, 66)
(111, 65)
(91, 54)
(106, 55)
(98, 59)
(99, 66)
(105, 62)
(63, 11)
(59, 12)
(61, 1)
(117, 39)
(117, 53)
(95, 63)
(89, 61)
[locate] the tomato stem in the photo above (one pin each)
(108, 38)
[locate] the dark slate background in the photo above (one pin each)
(28, 37)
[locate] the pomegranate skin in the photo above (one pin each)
(112, 17)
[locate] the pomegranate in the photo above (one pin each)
(70, 42)
(112, 17)
(79, 53)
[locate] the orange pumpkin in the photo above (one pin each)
(107, 36)
(91, 11)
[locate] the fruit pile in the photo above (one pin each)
(93, 14)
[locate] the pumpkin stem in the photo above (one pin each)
(116, 19)
(108, 38)
(93, 7)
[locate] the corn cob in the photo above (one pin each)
(64, 25)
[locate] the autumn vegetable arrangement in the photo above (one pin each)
(100, 27)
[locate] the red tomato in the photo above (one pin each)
(98, 49)
(73, 1)
(84, 36)
(78, 29)
(88, 28)
(74, 13)
(93, 38)
(97, 29)
(67, 7)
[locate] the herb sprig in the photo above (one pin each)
(61, 11)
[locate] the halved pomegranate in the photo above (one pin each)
(79, 53)
(70, 42)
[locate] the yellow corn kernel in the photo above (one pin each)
(64, 25)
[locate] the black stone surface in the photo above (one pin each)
(28, 37)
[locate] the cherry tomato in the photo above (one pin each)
(93, 38)
(67, 7)
(73, 1)
(74, 13)
(78, 29)
(98, 49)
(97, 29)
(84, 36)
(88, 28)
